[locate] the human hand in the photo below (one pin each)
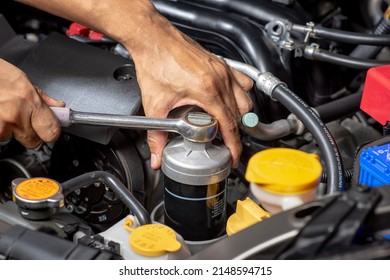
(176, 72)
(25, 112)
(172, 70)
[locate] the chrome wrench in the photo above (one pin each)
(194, 126)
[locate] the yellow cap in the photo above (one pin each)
(247, 214)
(284, 171)
(37, 188)
(154, 240)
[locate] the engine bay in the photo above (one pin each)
(312, 181)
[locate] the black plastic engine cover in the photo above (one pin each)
(85, 77)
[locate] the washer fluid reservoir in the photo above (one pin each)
(282, 178)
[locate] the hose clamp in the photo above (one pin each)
(310, 31)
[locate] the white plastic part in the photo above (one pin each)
(63, 115)
(275, 203)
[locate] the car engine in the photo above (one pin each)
(312, 181)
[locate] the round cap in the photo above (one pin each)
(284, 171)
(250, 119)
(38, 193)
(153, 240)
(37, 188)
(37, 198)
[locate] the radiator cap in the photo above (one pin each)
(37, 198)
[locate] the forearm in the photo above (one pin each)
(122, 20)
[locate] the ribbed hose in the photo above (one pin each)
(320, 133)
(348, 175)
(115, 185)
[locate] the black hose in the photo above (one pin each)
(351, 37)
(115, 185)
(320, 133)
(344, 60)
(339, 108)
(348, 175)
(364, 51)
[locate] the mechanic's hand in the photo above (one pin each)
(177, 72)
(25, 112)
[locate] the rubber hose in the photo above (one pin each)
(351, 37)
(320, 133)
(115, 185)
(344, 60)
(339, 108)
(364, 51)
(348, 175)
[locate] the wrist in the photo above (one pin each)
(139, 25)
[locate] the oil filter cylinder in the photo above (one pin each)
(195, 188)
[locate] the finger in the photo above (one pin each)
(27, 137)
(243, 80)
(231, 137)
(229, 131)
(243, 101)
(157, 141)
(45, 123)
(233, 94)
(49, 100)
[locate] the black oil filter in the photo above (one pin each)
(196, 212)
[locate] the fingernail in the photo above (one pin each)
(153, 160)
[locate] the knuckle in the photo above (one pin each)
(247, 106)
(209, 85)
(24, 90)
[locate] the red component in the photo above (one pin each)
(79, 29)
(376, 94)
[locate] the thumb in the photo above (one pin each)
(51, 102)
(157, 141)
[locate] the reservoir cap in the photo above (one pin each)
(284, 171)
(153, 240)
(247, 214)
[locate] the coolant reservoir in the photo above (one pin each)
(283, 178)
(150, 241)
